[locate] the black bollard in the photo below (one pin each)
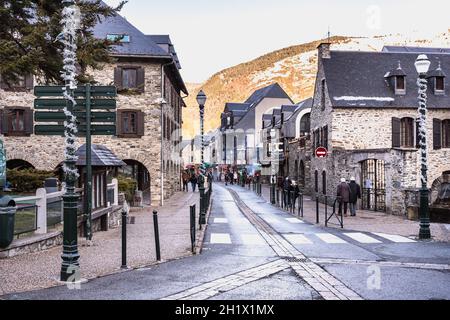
(193, 228)
(155, 225)
(317, 209)
(124, 239)
(326, 211)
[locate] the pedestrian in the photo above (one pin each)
(226, 178)
(286, 189)
(355, 194)
(185, 177)
(343, 196)
(230, 177)
(295, 191)
(235, 177)
(194, 181)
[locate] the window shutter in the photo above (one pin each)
(118, 78)
(119, 123)
(437, 138)
(417, 134)
(395, 133)
(28, 115)
(140, 123)
(1, 121)
(140, 79)
(5, 121)
(29, 81)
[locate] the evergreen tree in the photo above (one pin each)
(28, 32)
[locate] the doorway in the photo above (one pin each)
(373, 182)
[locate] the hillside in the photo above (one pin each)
(294, 68)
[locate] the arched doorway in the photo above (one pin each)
(373, 182)
(18, 164)
(136, 170)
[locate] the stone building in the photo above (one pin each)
(149, 114)
(364, 112)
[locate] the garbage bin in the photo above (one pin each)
(7, 216)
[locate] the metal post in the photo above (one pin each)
(70, 267)
(88, 182)
(124, 239)
(278, 197)
(317, 209)
(326, 210)
(192, 211)
(201, 189)
(155, 225)
(272, 193)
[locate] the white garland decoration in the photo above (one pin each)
(422, 84)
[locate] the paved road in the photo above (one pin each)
(255, 251)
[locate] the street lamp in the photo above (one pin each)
(201, 100)
(422, 65)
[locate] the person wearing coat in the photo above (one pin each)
(194, 181)
(186, 177)
(343, 196)
(355, 194)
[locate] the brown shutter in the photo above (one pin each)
(119, 131)
(118, 78)
(140, 79)
(29, 81)
(1, 121)
(140, 123)
(28, 115)
(437, 137)
(395, 133)
(5, 121)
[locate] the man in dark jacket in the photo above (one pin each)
(286, 189)
(343, 195)
(355, 194)
(194, 181)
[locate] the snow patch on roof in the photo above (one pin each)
(356, 98)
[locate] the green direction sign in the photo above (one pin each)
(58, 130)
(57, 91)
(50, 116)
(59, 104)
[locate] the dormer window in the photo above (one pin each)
(400, 85)
(124, 38)
(439, 85)
(436, 78)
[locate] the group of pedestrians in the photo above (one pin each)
(348, 195)
(291, 191)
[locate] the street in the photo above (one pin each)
(255, 251)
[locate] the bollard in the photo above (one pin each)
(124, 237)
(326, 211)
(317, 209)
(192, 208)
(155, 225)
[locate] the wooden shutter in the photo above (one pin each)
(29, 81)
(395, 133)
(437, 137)
(5, 121)
(119, 130)
(140, 79)
(118, 78)
(28, 117)
(1, 121)
(140, 123)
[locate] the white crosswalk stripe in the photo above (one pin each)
(252, 239)
(220, 220)
(394, 237)
(297, 239)
(330, 238)
(294, 220)
(220, 238)
(362, 238)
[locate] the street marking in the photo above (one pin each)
(330, 238)
(220, 220)
(253, 239)
(297, 239)
(361, 237)
(394, 237)
(220, 238)
(294, 220)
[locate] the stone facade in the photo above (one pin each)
(157, 154)
(358, 134)
(300, 163)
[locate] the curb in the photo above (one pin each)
(202, 233)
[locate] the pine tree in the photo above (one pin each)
(28, 32)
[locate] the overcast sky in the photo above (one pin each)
(210, 35)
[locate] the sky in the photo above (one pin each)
(211, 35)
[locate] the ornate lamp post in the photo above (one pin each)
(422, 65)
(201, 100)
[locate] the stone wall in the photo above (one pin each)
(46, 152)
(300, 151)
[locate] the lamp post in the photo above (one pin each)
(201, 100)
(422, 65)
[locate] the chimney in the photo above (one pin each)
(324, 50)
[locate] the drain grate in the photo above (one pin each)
(293, 259)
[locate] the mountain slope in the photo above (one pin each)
(294, 68)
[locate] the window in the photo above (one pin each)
(439, 84)
(407, 133)
(129, 78)
(400, 85)
(125, 38)
(305, 125)
(130, 123)
(316, 181)
(324, 182)
(16, 121)
(322, 96)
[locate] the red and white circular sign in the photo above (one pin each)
(321, 152)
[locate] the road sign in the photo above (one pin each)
(59, 116)
(58, 130)
(57, 91)
(321, 152)
(59, 104)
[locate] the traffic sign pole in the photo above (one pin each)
(88, 182)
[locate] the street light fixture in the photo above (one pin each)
(422, 65)
(201, 100)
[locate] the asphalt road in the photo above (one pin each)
(245, 260)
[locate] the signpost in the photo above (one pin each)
(96, 115)
(321, 152)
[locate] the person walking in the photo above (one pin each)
(286, 189)
(186, 177)
(343, 196)
(194, 181)
(355, 194)
(235, 178)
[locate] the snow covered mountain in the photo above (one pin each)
(294, 68)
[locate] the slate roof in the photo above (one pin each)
(272, 91)
(289, 129)
(357, 79)
(415, 49)
(101, 157)
(232, 107)
(162, 39)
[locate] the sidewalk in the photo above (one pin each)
(41, 270)
(369, 221)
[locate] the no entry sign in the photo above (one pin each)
(321, 152)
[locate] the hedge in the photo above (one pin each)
(128, 186)
(27, 180)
